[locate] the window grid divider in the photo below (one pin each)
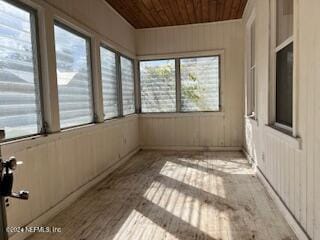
(138, 84)
(37, 62)
(96, 82)
(119, 84)
(178, 85)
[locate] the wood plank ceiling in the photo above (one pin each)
(160, 13)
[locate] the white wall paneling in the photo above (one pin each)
(60, 164)
(291, 165)
(214, 130)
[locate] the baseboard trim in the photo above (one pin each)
(72, 197)
(190, 148)
(286, 213)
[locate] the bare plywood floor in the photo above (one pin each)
(168, 195)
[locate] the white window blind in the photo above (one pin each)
(109, 83)
(20, 112)
(158, 86)
(74, 78)
(200, 84)
(127, 80)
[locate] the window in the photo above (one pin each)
(284, 64)
(109, 83)
(74, 77)
(284, 86)
(20, 110)
(158, 86)
(127, 81)
(199, 84)
(251, 81)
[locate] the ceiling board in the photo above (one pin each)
(160, 13)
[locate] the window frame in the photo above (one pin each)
(274, 49)
(134, 84)
(65, 26)
(250, 88)
(35, 39)
(118, 56)
(219, 81)
(116, 53)
(175, 67)
(177, 58)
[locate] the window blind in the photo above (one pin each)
(74, 78)
(109, 83)
(20, 111)
(127, 80)
(200, 84)
(158, 86)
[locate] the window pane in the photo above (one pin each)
(20, 113)
(284, 86)
(200, 84)
(74, 78)
(252, 87)
(158, 86)
(284, 20)
(251, 82)
(109, 83)
(253, 44)
(127, 80)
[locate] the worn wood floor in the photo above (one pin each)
(170, 195)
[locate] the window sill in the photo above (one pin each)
(32, 141)
(284, 135)
(181, 114)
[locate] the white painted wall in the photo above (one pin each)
(62, 163)
(198, 130)
(294, 172)
(99, 16)
(59, 167)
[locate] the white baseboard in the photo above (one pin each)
(72, 197)
(190, 148)
(296, 227)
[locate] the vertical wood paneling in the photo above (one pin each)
(58, 166)
(294, 173)
(194, 38)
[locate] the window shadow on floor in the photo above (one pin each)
(170, 195)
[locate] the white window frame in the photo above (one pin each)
(119, 55)
(251, 108)
(177, 57)
(36, 41)
(177, 93)
(105, 46)
(274, 49)
(80, 33)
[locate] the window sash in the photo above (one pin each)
(77, 115)
(252, 93)
(251, 71)
(171, 100)
(284, 73)
(177, 81)
(24, 90)
(110, 94)
(127, 86)
(277, 45)
(213, 106)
